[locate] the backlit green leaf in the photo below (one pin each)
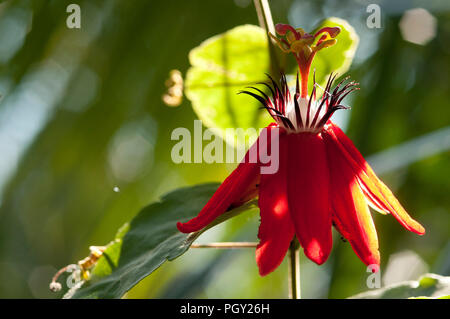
(221, 67)
(337, 58)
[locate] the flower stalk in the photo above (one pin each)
(226, 245)
(294, 271)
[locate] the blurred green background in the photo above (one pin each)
(85, 139)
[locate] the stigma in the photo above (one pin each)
(304, 47)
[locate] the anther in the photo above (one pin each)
(56, 286)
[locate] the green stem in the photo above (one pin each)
(277, 59)
(294, 271)
(264, 15)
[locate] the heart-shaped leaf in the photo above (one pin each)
(222, 66)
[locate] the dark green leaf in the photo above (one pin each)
(151, 240)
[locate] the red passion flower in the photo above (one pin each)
(322, 180)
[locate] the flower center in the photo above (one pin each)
(310, 114)
(304, 46)
(303, 112)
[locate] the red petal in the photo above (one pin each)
(250, 193)
(235, 189)
(375, 190)
(239, 184)
(307, 184)
(276, 230)
(351, 214)
(227, 193)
